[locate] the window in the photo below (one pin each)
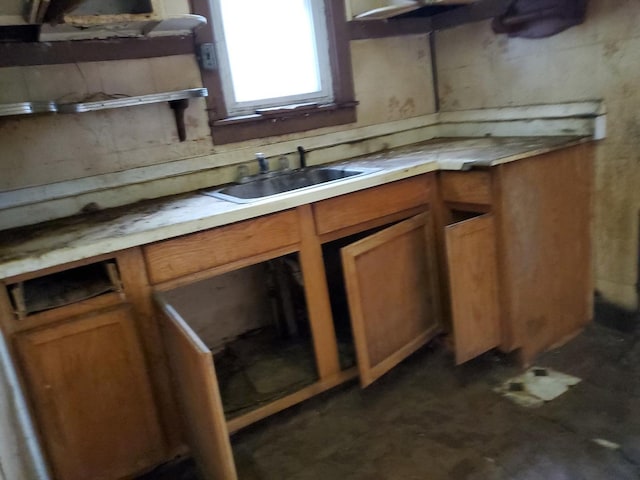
(278, 55)
(283, 66)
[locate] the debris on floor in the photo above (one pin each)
(260, 367)
(606, 443)
(536, 386)
(430, 420)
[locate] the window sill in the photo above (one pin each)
(281, 122)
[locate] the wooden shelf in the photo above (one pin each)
(391, 11)
(178, 100)
(87, 28)
(423, 20)
(27, 108)
(121, 102)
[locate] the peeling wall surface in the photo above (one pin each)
(42, 156)
(40, 153)
(40, 150)
(597, 60)
(240, 304)
(11, 7)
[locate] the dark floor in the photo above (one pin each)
(428, 420)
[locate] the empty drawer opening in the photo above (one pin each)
(462, 215)
(117, 7)
(64, 288)
(254, 321)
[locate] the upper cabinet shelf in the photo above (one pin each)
(89, 11)
(121, 27)
(99, 19)
(419, 17)
(405, 6)
(27, 108)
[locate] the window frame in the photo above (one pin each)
(281, 121)
(322, 96)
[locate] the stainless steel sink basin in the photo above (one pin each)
(286, 182)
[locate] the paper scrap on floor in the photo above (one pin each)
(536, 386)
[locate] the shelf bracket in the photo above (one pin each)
(178, 107)
(178, 101)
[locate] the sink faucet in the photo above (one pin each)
(262, 163)
(303, 161)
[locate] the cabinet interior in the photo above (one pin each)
(255, 322)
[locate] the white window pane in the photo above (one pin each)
(271, 47)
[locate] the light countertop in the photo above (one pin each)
(32, 248)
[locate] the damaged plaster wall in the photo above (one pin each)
(40, 152)
(11, 7)
(597, 60)
(223, 307)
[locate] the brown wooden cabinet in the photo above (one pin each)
(390, 239)
(84, 344)
(91, 396)
(391, 280)
(516, 245)
(544, 209)
(498, 257)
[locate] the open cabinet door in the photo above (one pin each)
(391, 285)
(473, 282)
(196, 388)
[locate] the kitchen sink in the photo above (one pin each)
(276, 183)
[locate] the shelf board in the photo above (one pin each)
(27, 108)
(121, 102)
(110, 26)
(178, 101)
(391, 11)
(420, 21)
(365, 29)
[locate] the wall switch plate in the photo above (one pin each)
(208, 59)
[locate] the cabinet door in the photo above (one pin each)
(473, 282)
(391, 286)
(196, 387)
(92, 397)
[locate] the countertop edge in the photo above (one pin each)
(34, 261)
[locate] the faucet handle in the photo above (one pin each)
(262, 163)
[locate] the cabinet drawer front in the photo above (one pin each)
(466, 187)
(200, 251)
(360, 207)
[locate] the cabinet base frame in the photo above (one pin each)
(283, 403)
